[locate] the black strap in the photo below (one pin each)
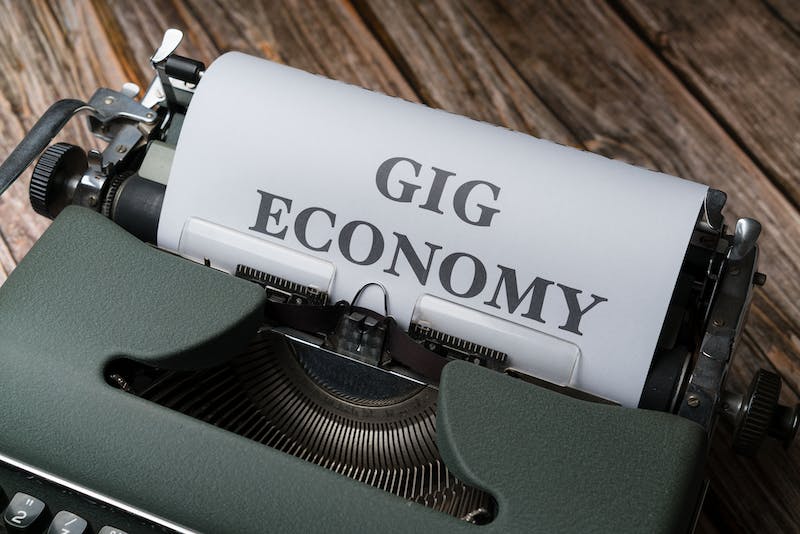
(323, 319)
(37, 139)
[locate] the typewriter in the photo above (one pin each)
(213, 380)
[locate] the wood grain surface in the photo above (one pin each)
(709, 91)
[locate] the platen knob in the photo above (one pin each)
(756, 413)
(55, 177)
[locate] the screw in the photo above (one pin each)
(92, 200)
(149, 115)
(693, 401)
(108, 100)
(759, 279)
(120, 382)
(122, 149)
(719, 322)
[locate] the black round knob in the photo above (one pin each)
(55, 177)
(758, 408)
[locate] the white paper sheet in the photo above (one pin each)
(579, 228)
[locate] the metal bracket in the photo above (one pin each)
(109, 105)
(729, 306)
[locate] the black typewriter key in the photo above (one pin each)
(68, 523)
(111, 530)
(24, 513)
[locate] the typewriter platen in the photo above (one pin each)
(328, 416)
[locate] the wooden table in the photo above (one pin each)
(708, 91)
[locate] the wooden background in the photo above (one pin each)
(709, 91)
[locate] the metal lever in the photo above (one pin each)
(744, 238)
(714, 202)
(172, 39)
(169, 43)
(37, 139)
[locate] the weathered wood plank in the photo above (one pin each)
(453, 65)
(787, 11)
(616, 97)
(742, 62)
(7, 262)
(329, 39)
(49, 52)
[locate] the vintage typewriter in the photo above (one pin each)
(210, 387)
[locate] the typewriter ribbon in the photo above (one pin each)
(563, 260)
